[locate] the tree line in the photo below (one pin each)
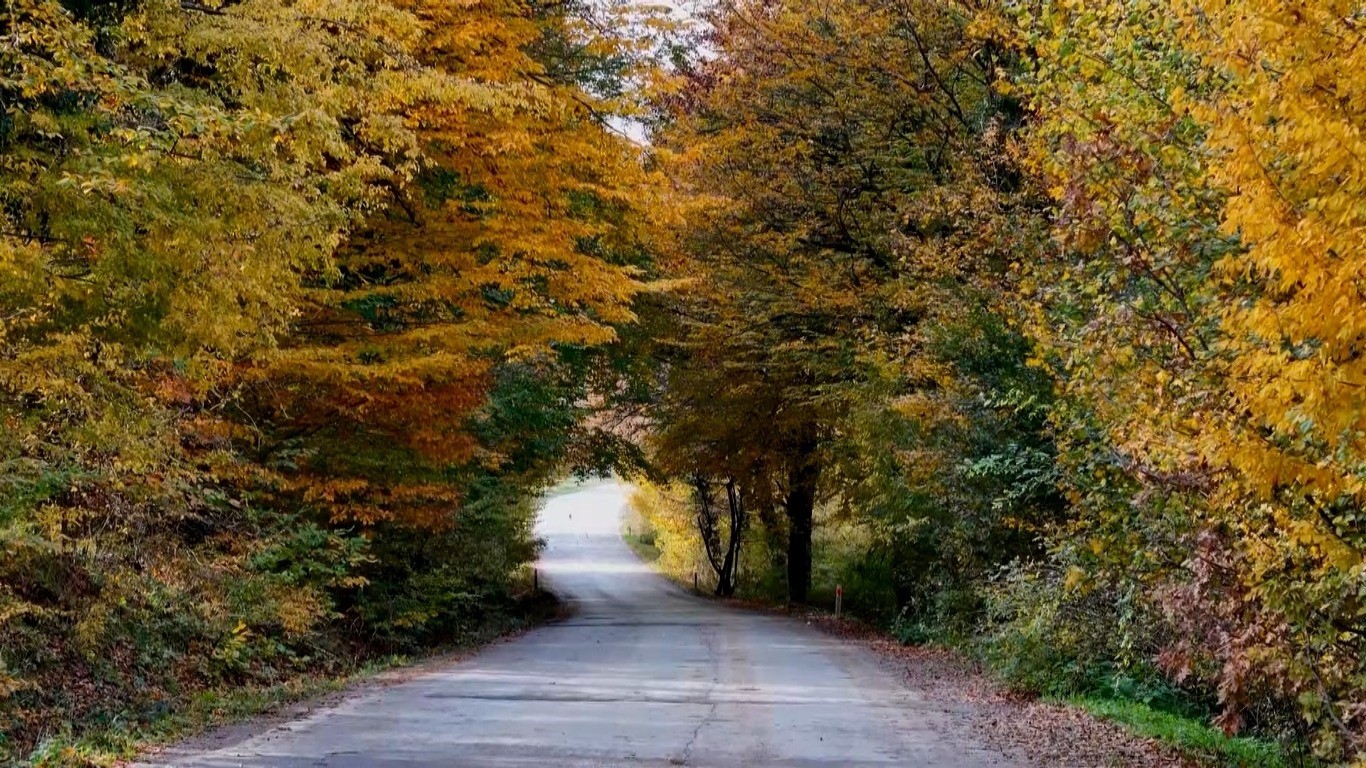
(1039, 326)
(298, 304)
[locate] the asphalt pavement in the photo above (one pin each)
(642, 674)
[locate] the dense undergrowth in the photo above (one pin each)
(115, 736)
(149, 646)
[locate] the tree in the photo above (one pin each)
(514, 236)
(840, 190)
(722, 537)
(1202, 326)
(272, 275)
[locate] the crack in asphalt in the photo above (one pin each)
(708, 635)
(692, 741)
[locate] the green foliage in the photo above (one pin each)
(1190, 736)
(1045, 636)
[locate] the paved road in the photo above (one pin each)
(642, 675)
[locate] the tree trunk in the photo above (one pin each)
(729, 577)
(800, 505)
(727, 565)
(725, 578)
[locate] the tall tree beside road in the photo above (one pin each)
(842, 199)
(294, 297)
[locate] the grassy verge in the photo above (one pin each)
(1191, 737)
(205, 710)
(645, 550)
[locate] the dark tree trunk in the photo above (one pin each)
(800, 504)
(725, 578)
(724, 564)
(729, 576)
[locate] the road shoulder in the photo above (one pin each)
(1028, 731)
(196, 735)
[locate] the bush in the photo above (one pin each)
(130, 625)
(1044, 635)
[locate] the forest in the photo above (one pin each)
(1037, 326)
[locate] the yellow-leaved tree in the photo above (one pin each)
(1287, 129)
(297, 299)
(1204, 312)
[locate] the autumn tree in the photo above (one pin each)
(511, 238)
(842, 199)
(1204, 329)
(295, 304)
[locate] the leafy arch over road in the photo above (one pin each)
(1035, 323)
(295, 303)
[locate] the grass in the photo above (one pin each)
(645, 550)
(1191, 737)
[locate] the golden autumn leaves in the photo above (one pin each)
(1164, 199)
(268, 272)
(288, 252)
(365, 201)
(1207, 159)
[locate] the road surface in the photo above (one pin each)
(643, 674)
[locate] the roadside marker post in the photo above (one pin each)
(839, 600)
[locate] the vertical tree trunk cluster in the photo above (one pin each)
(723, 537)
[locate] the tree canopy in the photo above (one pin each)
(296, 300)
(1037, 325)
(1047, 313)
